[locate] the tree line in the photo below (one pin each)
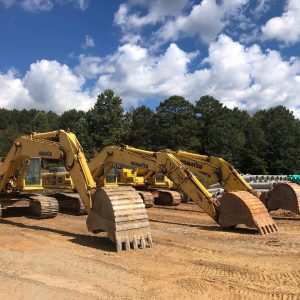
(267, 142)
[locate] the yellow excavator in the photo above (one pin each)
(154, 188)
(119, 211)
(231, 209)
(21, 187)
(210, 170)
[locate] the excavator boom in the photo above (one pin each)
(284, 195)
(235, 209)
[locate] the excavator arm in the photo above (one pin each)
(284, 195)
(211, 170)
(228, 212)
(120, 212)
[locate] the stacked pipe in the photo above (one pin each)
(265, 178)
(294, 178)
(261, 183)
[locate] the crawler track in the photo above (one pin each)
(70, 203)
(147, 197)
(43, 207)
(167, 198)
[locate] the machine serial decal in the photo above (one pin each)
(47, 153)
(192, 164)
(139, 165)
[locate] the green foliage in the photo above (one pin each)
(139, 121)
(106, 120)
(267, 142)
(174, 125)
(282, 139)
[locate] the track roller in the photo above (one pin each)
(120, 212)
(284, 195)
(71, 203)
(148, 198)
(244, 208)
(167, 198)
(43, 207)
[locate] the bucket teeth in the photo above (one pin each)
(134, 243)
(263, 230)
(149, 239)
(127, 243)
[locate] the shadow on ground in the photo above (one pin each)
(96, 242)
(211, 227)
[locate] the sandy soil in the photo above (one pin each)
(192, 259)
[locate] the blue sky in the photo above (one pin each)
(59, 54)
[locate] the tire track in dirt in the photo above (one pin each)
(281, 283)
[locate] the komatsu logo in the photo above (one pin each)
(47, 153)
(139, 165)
(192, 164)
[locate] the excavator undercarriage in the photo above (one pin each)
(37, 205)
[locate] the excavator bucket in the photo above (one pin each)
(120, 212)
(244, 208)
(284, 195)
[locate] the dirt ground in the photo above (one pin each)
(192, 259)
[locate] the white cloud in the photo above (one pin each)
(89, 66)
(286, 27)
(206, 20)
(44, 5)
(89, 42)
(137, 75)
(12, 92)
(7, 3)
(179, 18)
(238, 76)
(41, 89)
(246, 77)
(157, 11)
(83, 4)
(37, 5)
(262, 7)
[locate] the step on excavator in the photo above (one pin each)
(119, 211)
(232, 209)
(210, 170)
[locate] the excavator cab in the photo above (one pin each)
(33, 177)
